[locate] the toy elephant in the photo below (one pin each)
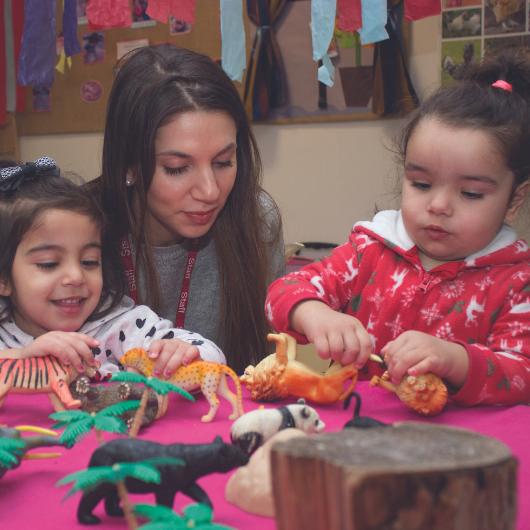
(199, 460)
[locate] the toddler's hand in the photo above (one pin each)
(416, 353)
(70, 347)
(334, 334)
(170, 354)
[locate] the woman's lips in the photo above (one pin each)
(201, 218)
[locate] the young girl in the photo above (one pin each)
(443, 284)
(59, 294)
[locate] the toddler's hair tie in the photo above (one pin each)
(504, 85)
(12, 177)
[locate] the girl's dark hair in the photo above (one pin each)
(474, 103)
(21, 208)
(152, 85)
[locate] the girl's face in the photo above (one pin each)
(56, 278)
(457, 190)
(195, 172)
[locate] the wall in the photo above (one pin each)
(323, 176)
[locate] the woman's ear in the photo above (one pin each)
(518, 198)
(5, 288)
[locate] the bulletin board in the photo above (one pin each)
(79, 96)
(474, 28)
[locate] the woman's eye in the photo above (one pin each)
(421, 185)
(175, 170)
(224, 163)
(472, 195)
(47, 265)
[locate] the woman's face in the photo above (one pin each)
(195, 171)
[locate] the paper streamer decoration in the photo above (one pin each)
(233, 57)
(180, 9)
(349, 15)
(322, 26)
(416, 9)
(71, 44)
(37, 55)
(374, 14)
(105, 14)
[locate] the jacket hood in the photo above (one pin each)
(388, 227)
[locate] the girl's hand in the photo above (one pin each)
(70, 347)
(416, 353)
(170, 354)
(334, 334)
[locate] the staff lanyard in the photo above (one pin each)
(128, 268)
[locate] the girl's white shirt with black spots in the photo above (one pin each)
(126, 326)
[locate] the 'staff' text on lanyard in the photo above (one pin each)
(128, 269)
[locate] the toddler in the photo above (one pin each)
(443, 284)
(59, 292)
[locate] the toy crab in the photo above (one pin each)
(425, 394)
(280, 375)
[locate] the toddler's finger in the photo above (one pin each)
(155, 349)
(322, 347)
(191, 354)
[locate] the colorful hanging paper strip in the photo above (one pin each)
(37, 55)
(322, 26)
(349, 15)
(233, 54)
(374, 14)
(161, 10)
(104, 14)
(416, 9)
(71, 44)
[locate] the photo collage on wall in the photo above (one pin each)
(474, 28)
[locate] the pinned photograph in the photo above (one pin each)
(458, 23)
(504, 16)
(178, 27)
(457, 58)
(93, 47)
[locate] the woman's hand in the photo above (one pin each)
(334, 334)
(416, 353)
(70, 347)
(170, 354)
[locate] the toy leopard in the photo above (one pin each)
(209, 377)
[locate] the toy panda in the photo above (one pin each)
(254, 428)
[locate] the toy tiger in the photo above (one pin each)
(209, 377)
(40, 375)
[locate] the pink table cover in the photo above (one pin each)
(30, 499)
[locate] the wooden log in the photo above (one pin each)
(409, 476)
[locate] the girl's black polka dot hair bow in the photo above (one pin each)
(12, 177)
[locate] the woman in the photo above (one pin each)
(200, 239)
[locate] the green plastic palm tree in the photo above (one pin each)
(145, 471)
(196, 516)
(11, 451)
(157, 385)
(78, 423)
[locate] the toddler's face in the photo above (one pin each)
(456, 190)
(56, 279)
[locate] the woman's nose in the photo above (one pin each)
(206, 187)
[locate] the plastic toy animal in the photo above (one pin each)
(280, 375)
(254, 428)
(358, 421)
(425, 394)
(48, 438)
(199, 460)
(96, 396)
(209, 377)
(40, 375)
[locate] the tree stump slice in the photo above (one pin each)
(408, 476)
